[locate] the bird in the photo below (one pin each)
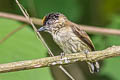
(68, 36)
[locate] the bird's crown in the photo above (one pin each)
(50, 17)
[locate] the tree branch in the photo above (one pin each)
(91, 29)
(56, 60)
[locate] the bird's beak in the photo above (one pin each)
(43, 28)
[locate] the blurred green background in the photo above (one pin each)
(24, 45)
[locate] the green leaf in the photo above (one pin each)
(23, 45)
(111, 66)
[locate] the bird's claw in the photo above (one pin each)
(86, 52)
(62, 54)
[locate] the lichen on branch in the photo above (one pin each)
(57, 60)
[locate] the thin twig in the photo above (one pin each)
(11, 33)
(104, 31)
(65, 71)
(29, 20)
(56, 60)
(13, 16)
(91, 29)
(24, 11)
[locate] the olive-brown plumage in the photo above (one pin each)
(69, 36)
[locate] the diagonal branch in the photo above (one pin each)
(11, 33)
(91, 29)
(56, 60)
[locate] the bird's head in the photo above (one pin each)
(53, 22)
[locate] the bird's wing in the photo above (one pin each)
(83, 36)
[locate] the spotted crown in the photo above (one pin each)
(49, 17)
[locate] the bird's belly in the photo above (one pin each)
(70, 44)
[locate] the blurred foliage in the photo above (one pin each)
(108, 8)
(110, 66)
(43, 7)
(23, 45)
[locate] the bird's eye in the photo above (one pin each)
(49, 22)
(56, 16)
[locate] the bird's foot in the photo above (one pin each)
(62, 55)
(86, 52)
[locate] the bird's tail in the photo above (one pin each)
(93, 67)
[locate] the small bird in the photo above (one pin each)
(69, 36)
